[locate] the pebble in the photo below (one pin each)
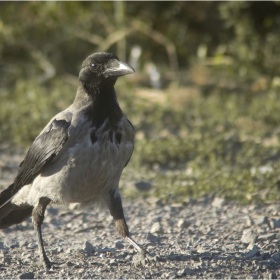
(7, 260)
(119, 245)
(89, 248)
(11, 244)
(272, 275)
(183, 223)
(275, 223)
(156, 228)
(218, 202)
(27, 275)
(54, 250)
(32, 245)
(249, 221)
(253, 252)
(266, 256)
(52, 211)
(183, 272)
(23, 243)
(262, 220)
(153, 238)
(276, 258)
(113, 263)
(248, 236)
(105, 250)
(268, 236)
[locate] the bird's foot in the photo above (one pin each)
(47, 263)
(143, 258)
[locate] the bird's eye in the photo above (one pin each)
(93, 65)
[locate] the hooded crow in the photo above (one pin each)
(79, 156)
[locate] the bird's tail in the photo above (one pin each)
(11, 213)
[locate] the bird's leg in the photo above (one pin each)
(116, 210)
(38, 218)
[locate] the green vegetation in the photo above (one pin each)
(213, 128)
(225, 143)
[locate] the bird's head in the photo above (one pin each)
(102, 66)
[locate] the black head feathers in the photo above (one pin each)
(101, 66)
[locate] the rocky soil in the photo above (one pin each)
(210, 238)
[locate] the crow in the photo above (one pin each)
(79, 156)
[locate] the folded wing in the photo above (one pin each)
(42, 151)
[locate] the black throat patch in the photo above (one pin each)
(105, 112)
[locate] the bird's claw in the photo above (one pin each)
(47, 263)
(143, 258)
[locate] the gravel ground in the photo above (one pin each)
(210, 238)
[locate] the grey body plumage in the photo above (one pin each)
(79, 156)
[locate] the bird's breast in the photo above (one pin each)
(91, 165)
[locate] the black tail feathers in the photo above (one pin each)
(11, 214)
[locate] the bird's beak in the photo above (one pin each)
(118, 68)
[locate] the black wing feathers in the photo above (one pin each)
(44, 148)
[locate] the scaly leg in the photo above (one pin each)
(38, 218)
(116, 210)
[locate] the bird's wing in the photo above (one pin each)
(42, 151)
(131, 138)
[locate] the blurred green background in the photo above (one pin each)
(204, 100)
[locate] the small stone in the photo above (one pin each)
(169, 275)
(113, 263)
(128, 258)
(254, 251)
(250, 246)
(183, 223)
(73, 206)
(262, 220)
(69, 264)
(119, 245)
(202, 249)
(89, 248)
(183, 272)
(272, 275)
(153, 238)
(1, 245)
(248, 236)
(156, 228)
(27, 275)
(253, 276)
(7, 260)
(249, 221)
(54, 251)
(106, 250)
(31, 245)
(69, 251)
(11, 244)
(205, 255)
(143, 186)
(265, 256)
(60, 250)
(23, 243)
(218, 202)
(53, 211)
(275, 223)
(275, 258)
(268, 236)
